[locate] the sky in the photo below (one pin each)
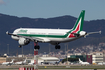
(94, 9)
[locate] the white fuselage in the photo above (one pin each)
(20, 63)
(81, 62)
(50, 35)
(84, 63)
(5, 63)
(8, 63)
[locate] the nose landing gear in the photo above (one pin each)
(19, 46)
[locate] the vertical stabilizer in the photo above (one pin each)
(12, 61)
(79, 23)
(80, 60)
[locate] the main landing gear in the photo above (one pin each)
(57, 46)
(36, 46)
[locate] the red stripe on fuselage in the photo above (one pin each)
(77, 29)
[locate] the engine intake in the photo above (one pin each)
(23, 41)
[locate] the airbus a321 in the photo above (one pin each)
(53, 36)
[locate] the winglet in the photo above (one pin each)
(100, 32)
(92, 33)
(7, 32)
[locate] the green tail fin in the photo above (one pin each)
(78, 25)
(79, 22)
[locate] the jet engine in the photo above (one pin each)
(23, 41)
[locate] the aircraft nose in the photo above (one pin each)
(14, 37)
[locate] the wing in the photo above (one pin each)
(35, 39)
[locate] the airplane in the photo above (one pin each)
(101, 63)
(53, 36)
(21, 62)
(84, 63)
(41, 63)
(8, 63)
(31, 63)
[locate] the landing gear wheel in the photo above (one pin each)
(37, 47)
(19, 46)
(57, 47)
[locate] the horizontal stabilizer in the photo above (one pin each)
(92, 33)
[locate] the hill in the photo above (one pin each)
(10, 23)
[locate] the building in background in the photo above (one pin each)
(84, 58)
(2, 59)
(89, 58)
(97, 58)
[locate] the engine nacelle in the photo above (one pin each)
(23, 41)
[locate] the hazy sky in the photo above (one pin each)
(95, 9)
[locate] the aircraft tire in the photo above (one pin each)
(57, 47)
(37, 47)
